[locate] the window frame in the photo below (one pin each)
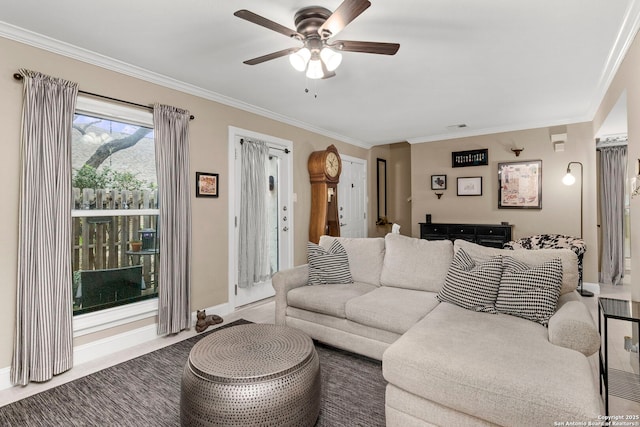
(96, 321)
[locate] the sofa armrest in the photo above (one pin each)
(285, 280)
(573, 327)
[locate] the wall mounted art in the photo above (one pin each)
(470, 186)
(520, 185)
(438, 182)
(461, 159)
(206, 184)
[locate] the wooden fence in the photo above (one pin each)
(102, 240)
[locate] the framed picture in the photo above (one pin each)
(438, 182)
(470, 186)
(206, 184)
(460, 159)
(520, 185)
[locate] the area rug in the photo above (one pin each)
(145, 391)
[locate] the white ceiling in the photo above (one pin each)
(493, 65)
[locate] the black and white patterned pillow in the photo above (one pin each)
(530, 292)
(472, 285)
(328, 266)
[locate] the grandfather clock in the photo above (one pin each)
(324, 173)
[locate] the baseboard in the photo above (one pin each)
(5, 378)
(113, 344)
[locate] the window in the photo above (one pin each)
(115, 211)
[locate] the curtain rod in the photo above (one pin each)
(19, 76)
(286, 150)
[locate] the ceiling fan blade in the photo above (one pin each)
(342, 16)
(365, 47)
(270, 56)
(267, 23)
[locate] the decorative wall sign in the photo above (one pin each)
(206, 184)
(470, 186)
(520, 185)
(438, 182)
(461, 159)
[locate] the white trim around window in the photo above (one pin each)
(88, 323)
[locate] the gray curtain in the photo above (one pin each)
(253, 256)
(171, 130)
(43, 344)
(613, 176)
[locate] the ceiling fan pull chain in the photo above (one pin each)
(315, 87)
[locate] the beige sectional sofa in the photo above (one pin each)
(446, 365)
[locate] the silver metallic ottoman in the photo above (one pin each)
(251, 375)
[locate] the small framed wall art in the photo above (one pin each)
(206, 184)
(470, 186)
(520, 185)
(438, 182)
(461, 159)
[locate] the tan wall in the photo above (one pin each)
(626, 79)
(209, 135)
(209, 152)
(375, 153)
(560, 211)
(399, 172)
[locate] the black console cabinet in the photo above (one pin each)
(482, 234)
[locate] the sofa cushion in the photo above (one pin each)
(328, 266)
(365, 256)
(391, 309)
(418, 264)
(569, 259)
(499, 366)
(329, 300)
(530, 292)
(472, 285)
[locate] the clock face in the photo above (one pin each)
(332, 164)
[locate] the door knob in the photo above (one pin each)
(343, 225)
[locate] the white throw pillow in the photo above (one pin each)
(472, 285)
(530, 292)
(328, 266)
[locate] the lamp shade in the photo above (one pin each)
(300, 58)
(331, 58)
(314, 70)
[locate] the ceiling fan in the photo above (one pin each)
(315, 26)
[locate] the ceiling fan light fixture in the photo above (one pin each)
(300, 59)
(331, 58)
(314, 69)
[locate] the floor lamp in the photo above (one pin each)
(569, 179)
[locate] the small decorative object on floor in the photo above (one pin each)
(204, 321)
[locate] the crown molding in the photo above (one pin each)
(624, 39)
(49, 44)
(494, 130)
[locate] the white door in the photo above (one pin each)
(352, 197)
(280, 223)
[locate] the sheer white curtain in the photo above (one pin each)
(613, 176)
(253, 256)
(43, 344)
(171, 130)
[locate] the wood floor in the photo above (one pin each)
(263, 312)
